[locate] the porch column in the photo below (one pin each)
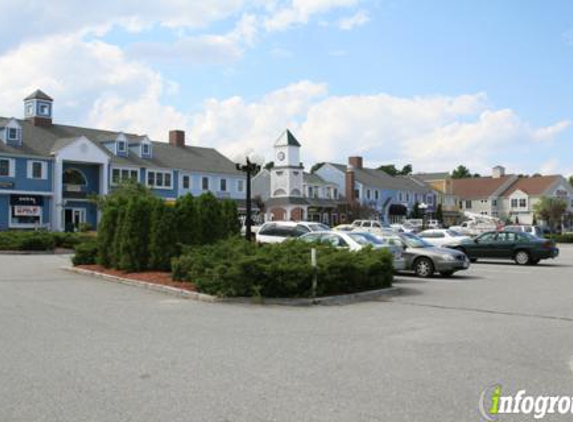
(57, 202)
(103, 185)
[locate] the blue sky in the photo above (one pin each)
(434, 83)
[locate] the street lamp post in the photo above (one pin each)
(249, 165)
(423, 207)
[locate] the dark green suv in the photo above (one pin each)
(523, 248)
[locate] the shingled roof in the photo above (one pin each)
(38, 95)
(287, 139)
(44, 141)
(380, 179)
(478, 187)
(536, 185)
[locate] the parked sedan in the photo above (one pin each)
(355, 241)
(423, 258)
(523, 248)
(444, 237)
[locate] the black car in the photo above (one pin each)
(523, 248)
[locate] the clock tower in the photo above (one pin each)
(287, 173)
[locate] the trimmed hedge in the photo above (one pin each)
(236, 268)
(27, 241)
(561, 238)
(41, 240)
(86, 254)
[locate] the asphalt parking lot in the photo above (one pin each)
(73, 348)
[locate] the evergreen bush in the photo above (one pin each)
(235, 267)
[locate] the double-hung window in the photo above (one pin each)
(37, 170)
(205, 183)
(119, 175)
(6, 167)
(240, 185)
(186, 182)
(223, 185)
(159, 179)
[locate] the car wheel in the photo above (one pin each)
(522, 258)
(424, 267)
(447, 273)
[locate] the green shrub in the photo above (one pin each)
(27, 241)
(106, 233)
(133, 247)
(209, 219)
(67, 240)
(237, 268)
(186, 218)
(561, 238)
(231, 222)
(86, 254)
(162, 237)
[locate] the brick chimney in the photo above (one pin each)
(350, 184)
(177, 138)
(355, 162)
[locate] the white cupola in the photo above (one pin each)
(38, 108)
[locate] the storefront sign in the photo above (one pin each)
(27, 211)
(26, 200)
(6, 185)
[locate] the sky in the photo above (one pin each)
(432, 83)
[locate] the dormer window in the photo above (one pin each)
(12, 134)
(121, 146)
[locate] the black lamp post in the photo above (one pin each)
(249, 168)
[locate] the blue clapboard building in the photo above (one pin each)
(49, 172)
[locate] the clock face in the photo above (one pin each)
(281, 156)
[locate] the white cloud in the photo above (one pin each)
(432, 132)
(72, 16)
(93, 83)
(358, 19)
(204, 49)
(300, 11)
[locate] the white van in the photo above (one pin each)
(279, 231)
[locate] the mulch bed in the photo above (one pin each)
(154, 277)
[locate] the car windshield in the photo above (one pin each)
(365, 239)
(414, 241)
(318, 227)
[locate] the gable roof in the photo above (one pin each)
(536, 185)
(478, 187)
(38, 95)
(426, 177)
(382, 180)
(45, 141)
(314, 179)
(287, 139)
